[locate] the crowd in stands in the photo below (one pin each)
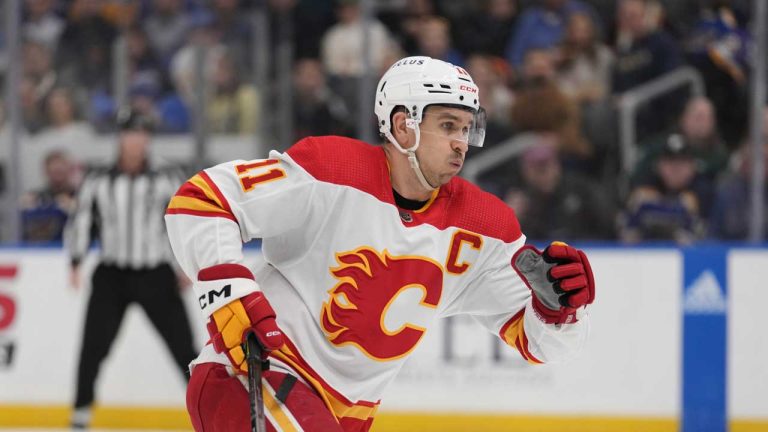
(550, 70)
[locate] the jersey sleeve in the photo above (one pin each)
(501, 302)
(217, 210)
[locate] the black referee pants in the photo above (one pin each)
(113, 290)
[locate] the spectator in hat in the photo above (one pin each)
(699, 128)
(667, 207)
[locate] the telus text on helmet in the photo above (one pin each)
(411, 61)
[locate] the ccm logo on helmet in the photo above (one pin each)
(467, 88)
(272, 333)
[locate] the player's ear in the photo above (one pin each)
(399, 130)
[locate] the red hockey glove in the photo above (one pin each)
(560, 279)
(230, 324)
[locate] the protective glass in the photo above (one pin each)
(454, 128)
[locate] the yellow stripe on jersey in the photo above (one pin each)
(514, 335)
(190, 203)
(429, 202)
(198, 181)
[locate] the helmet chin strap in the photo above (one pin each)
(411, 152)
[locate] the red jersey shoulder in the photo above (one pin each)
(344, 161)
(478, 211)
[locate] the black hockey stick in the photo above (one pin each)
(253, 357)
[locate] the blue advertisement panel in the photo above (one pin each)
(705, 309)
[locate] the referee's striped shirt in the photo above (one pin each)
(126, 213)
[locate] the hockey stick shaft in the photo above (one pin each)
(253, 355)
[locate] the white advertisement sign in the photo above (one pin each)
(629, 367)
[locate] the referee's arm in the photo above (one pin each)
(77, 235)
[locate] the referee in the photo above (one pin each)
(124, 206)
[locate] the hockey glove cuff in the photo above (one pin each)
(230, 324)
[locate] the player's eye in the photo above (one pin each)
(448, 127)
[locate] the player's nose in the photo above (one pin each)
(459, 146)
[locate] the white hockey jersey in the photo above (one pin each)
(355, 280)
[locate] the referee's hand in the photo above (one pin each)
(75, 280)
(183, 281)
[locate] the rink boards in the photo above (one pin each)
(628, 377)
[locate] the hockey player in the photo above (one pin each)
(365, 247)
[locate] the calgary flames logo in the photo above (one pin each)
(369, 283)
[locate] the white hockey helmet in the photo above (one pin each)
(416, 82)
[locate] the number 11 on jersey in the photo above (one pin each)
(260, 171)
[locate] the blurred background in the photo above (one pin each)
(634, 128)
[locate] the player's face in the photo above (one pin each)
(443, 144)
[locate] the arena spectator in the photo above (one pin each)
(341, 50)
(143, 65)
(540, 106)
(64, 129)
(486, 29)
(31, 107)
(233, 107)
(84, 54)
(666, 208)
(342, 45)
(551, 203)
(434, 40)
(235, 31)
(61, 110)
(404, 19)
(698, 128)
(644, 52)
(731, 213)
(317, 110)
(491, 74)
(41, 24)
(541, 26)
(37, 66)
(718, 46)
(44, 212)
(203, 36)
(167, 27)
(310, 20)
(584, 66)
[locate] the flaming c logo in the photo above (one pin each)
(368, 284)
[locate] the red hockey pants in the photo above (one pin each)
(218, 402)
